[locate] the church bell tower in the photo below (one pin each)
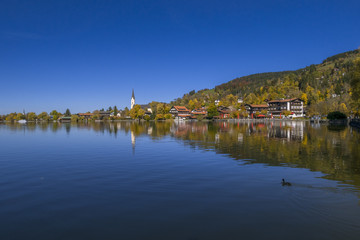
(132, 99)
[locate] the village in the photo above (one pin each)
(281, 108)
(289, 108)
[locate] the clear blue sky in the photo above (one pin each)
(85, 55)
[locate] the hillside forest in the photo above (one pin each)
(333, 85)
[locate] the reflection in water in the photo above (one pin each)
(333, 150)
(289, 131)
(85, 177)
(133, 141)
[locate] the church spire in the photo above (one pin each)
(132, 99)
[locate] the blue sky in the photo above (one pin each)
(85, 55)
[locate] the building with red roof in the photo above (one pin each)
(180, 111)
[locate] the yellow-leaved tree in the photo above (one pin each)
(137, 112)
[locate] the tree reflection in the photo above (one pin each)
(331, 150)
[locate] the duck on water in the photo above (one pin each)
(284, 183)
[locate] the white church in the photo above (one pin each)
(146, 107)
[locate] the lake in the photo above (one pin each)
(179, 180)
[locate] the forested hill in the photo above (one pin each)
(324, 87)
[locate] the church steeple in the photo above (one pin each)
(132, 99)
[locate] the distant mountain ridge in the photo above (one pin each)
(340, 60)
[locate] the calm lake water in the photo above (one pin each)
(172, 180)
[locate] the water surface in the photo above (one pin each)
(178, 180)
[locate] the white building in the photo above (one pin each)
(294, 105)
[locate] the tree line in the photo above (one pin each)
(55, 115)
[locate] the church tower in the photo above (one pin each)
(132, 99)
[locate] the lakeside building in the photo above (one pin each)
(117, 115)
(198, 112)
(294, 105)
(256, 109)
(85, 115)
(224, 112)
(146, 108)
(180, 111)
(104, 114)
(65, 119)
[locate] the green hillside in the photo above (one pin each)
(332, 85)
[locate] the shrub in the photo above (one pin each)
(159, 117)
(168, 116)
(286, 113)
(336, 115)
(74, 118)
(200, 117)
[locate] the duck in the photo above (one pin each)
(284, 183)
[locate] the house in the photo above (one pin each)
(224, 112)
(180, 111)
(118, 114)
(85, 115)
(104, 114)
(198, 112)
(65, 119)
(217, 102)
(294, 105)
(146, 108)
(256, 109)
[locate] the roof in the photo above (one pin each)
(199, 111)
(85, 114)
(181, 108)
(258, 105)
(284, 100)
(224, 110)
(133, 95)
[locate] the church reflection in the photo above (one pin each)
(133, 141)
(331, 150)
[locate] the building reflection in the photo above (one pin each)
(287, 130)
(331, 150)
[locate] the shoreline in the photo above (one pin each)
(352, 122)
(171, 120)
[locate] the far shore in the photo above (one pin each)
(175, 120)
(352, 122)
